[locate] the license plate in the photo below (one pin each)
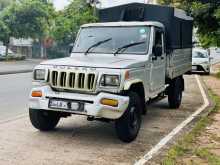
(194, 67)
(65, 105)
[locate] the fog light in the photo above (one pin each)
(36, 94)
(109, 102)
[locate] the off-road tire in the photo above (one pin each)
(128, 126)
(175, 91)
(44, 120)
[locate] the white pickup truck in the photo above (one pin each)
(114, 69)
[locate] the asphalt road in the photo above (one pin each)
(14, 91)
(77, 141)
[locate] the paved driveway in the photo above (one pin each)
(77, 141)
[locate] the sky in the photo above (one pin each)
(60, 4)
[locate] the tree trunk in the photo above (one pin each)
(6, 51)
(42, 50)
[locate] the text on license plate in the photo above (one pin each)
(194, 67)
(66, 105)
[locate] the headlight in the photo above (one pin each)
(39, 74)
(110, 81)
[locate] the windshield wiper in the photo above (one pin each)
(127, 46)
(97, 44)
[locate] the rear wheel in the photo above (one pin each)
(128, 126)
(175, 91)
(44, 120)
(208, 72)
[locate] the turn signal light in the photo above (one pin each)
(109, 102)
(36, 94)
(127, 76)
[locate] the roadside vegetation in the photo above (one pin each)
(206, 15)
(217, 75)
(13, 58)
(52, 31)
(189, 146)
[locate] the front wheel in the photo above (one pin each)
(44, 120)
(128, 126)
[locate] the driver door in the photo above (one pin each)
(158, 62)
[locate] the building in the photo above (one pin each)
(22, 46)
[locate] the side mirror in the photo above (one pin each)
(157, 50)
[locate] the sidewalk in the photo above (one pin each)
(201, 146)
(13, 67)
(208, 143)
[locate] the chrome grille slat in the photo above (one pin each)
(68, 80)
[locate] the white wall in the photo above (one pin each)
(111, 3)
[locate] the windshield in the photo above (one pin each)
(115, 38)
(197, 54)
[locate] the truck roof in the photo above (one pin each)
(116, 24)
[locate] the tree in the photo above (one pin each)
(27, 19)
(4, 35)
(206, 15)
(35, 19)
(7, 26)
(68, 22)
(5, 31)
(4, 4)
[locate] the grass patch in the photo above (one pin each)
(209, 157)
(187, 145)
(217, 75)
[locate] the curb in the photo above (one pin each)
(16, 72)
(164, 141)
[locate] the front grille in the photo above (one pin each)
(67, 80)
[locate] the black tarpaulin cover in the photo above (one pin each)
(178, 28)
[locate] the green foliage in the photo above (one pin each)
(4, 32)
(5, 3)
(33, 18)
(68, 22)
(206, 19)
(37, 19)
(207, 155)
(26, 19)
(188, 144)
(217, 75)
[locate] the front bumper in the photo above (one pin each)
(92, 105)
(201, 67)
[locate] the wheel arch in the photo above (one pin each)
(136, 86)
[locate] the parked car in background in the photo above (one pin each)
(201, 60)
(11, 55)
(217, 50)
(3, 51)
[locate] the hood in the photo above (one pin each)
(199, 60)
(100, 61)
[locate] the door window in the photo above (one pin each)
(158, 44)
